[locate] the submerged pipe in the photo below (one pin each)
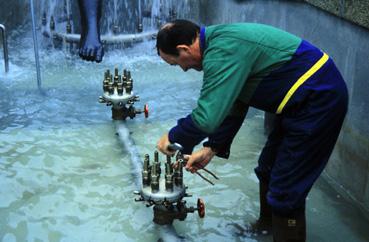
(167, 233)
(5, 46)
(35, 45)
(136, 165)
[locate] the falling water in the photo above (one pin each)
(68, 8)
(139, 9)
(35, 45)
(155, 12)
(115, 9)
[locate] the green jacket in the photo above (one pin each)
(236, 58)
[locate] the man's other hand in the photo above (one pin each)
(199, 159)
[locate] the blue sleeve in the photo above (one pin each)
(187, 134)
(221, 140)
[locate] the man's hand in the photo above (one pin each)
(199, 159)
(163, 144)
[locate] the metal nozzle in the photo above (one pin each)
(124, 78)
(157, 163)
(129, 83)
(120, 88)
(116, 76)
(68, 27)
(168, 177)
(155, 177)
(115, 29)
(102, 99)
(44, 21)
(107, 74)
(146, 171)
(156, 156)
(168, 169)
(106, 81)
(178, 174)
(146, 165)
(139, 27)
(52, 23)
(111, 84)
(172, 14)
(179, 156)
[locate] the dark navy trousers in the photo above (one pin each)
(298, 148)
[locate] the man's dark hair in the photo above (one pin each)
(178, 32)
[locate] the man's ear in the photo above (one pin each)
(185, 48)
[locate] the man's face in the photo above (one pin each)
(186, 60)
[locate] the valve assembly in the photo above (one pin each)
(166, 191)
(118, 94)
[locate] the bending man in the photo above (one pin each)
(260, 66)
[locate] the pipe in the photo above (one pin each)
(167, 233)
(115, 39)
(128, 143)
(35, 45)
(5, 46)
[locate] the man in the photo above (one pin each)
(256, 65)
(90, 47)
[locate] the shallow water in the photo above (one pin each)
(66, 175)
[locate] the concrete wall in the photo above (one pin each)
(12, 13)
(356, 11)
(348, 45)
(11, 16)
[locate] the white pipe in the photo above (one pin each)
(166, 232)
(136, 164)
(114, 39)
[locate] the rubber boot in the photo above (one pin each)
(289, 229)
(264, 224)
